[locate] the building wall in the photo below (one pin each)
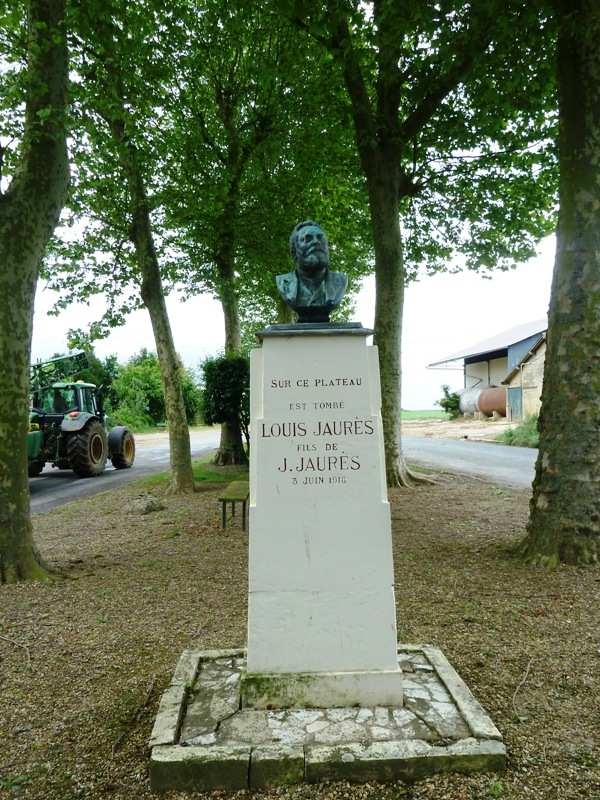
(498, 370)
(528, 381)
(533, 377)
(476, 374)
(484, 373)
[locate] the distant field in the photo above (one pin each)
(424, 415)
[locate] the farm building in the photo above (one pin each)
(513, 358)
(524, 382)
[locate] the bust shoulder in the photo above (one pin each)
(337, 280)
(287, 285)
(336, 286)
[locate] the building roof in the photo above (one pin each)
(530, 353)
(501, 341)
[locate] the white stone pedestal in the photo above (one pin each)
(321, 616)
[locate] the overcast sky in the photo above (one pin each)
(442, 314)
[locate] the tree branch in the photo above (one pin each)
(206, 137)
(18, 644)
(389, 76)
(487, 156)
(339, 44)
(343, 50)
(477, 38)
(45, 162)
(304, 26)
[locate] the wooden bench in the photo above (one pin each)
(235, 492)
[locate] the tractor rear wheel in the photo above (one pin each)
(121, 446)
(88, 450)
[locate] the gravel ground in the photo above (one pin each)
(84, 658)
(480, 430)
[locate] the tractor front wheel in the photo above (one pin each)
(121, 446)
(88, 450)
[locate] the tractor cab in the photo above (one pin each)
(63, 398)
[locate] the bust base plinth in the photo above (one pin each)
(322, 689)
(304, 329)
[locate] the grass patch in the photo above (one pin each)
(419, 468)
(523, 435)
(205, 471)
(160, 428)
(141, 429)
(416, 415)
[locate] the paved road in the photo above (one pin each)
(496, 462)
(57, 486)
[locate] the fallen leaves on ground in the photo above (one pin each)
(85, 657)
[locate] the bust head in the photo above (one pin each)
(310, 250)
(312, 289)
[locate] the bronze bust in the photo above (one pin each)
(312, 290)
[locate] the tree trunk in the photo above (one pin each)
(231, 316)
(564, 522)
(231, 447)
(29, 212)
(182, 476)
(151, 290)
(382, 185)
(389, 303)
(379, 146)
(19, 260)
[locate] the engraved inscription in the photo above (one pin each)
(316, 383)
(319, 438)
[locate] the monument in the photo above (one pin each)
(320, 563)
(323, 690)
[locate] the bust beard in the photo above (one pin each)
(312, 265)
(313, 276)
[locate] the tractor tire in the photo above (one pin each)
(88, 450)
(34, 468)
(121, 446)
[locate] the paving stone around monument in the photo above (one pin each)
(203, 739)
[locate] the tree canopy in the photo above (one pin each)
(445, 142)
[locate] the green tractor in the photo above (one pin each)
(67, 424)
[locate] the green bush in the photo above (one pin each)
(137, 398)
(525, 434)
(227, 391)
(450, 402)
(130, 417)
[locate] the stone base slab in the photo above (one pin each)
(203, 739)
(322, 690)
